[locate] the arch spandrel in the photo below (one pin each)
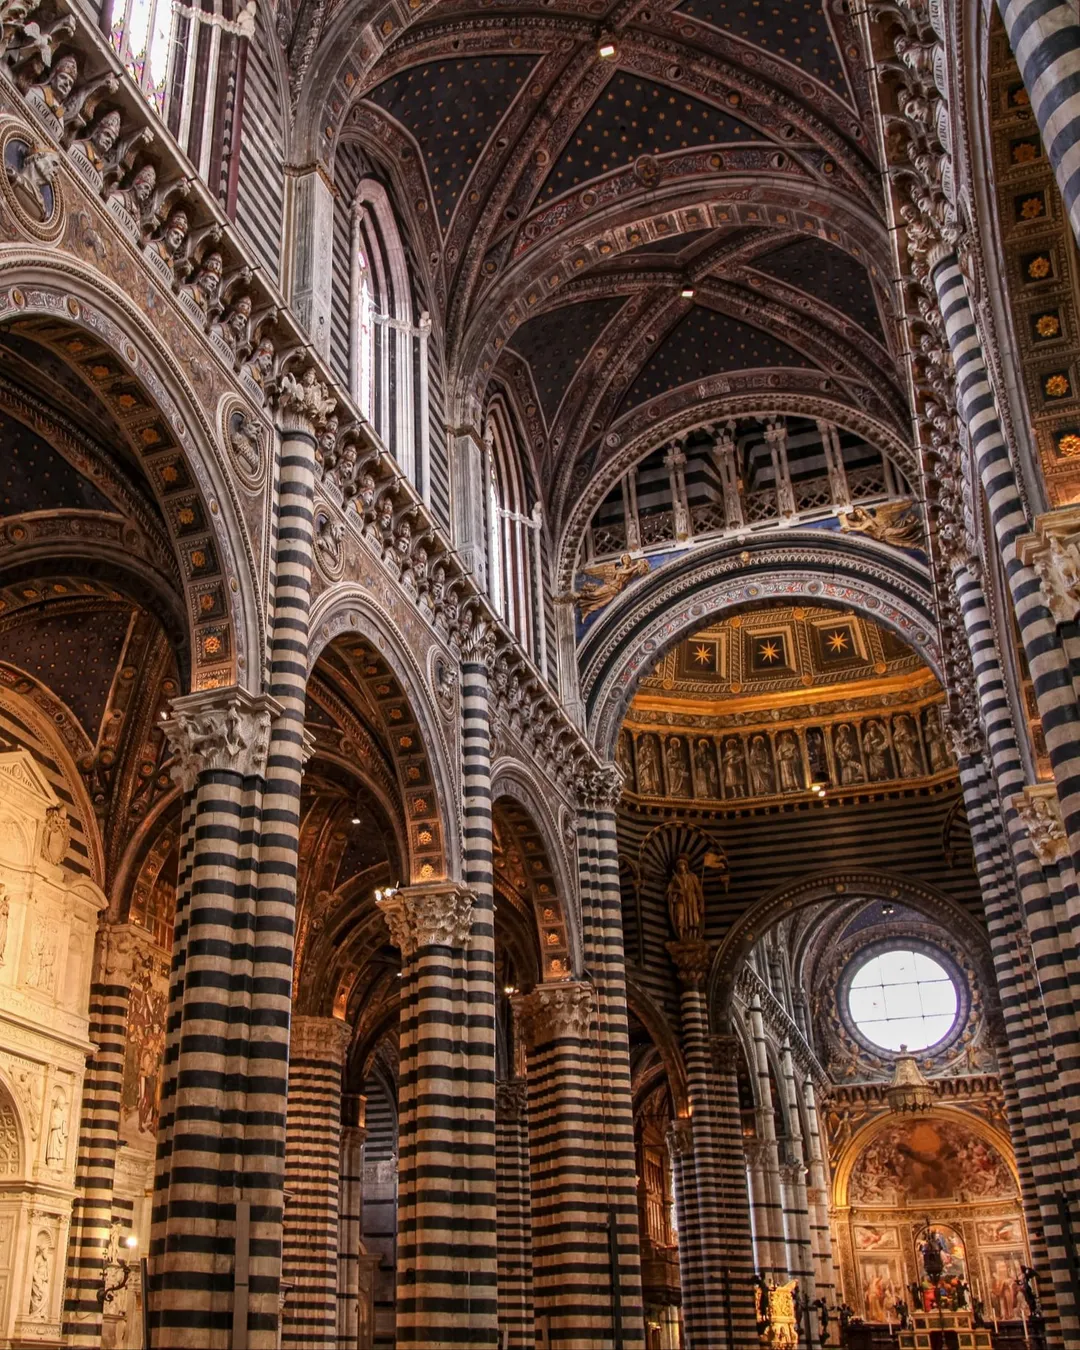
(68, 308)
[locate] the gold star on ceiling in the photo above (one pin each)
(838, 642)
(702, 656)
(769, 651)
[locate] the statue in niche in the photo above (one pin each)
(57, 834)
(816, 756)
(788, 760)
(172, 239)
(906, 745)
(686, 902)
(762, 778)
(41, 972)
(935, 741)
(648, 766)
(734, 768)
(708, 777)
(97, 144)
(32, 179)
(5, 915)
(234, 327)
(847, 756)
(678, 774)
(56, 1143)
(624, 759)
(245, 437)
(135, 198)
(52, 94)
(39, 1279)
(876, 749)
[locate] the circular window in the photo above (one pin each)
(902, 997)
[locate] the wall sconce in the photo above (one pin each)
(115, 1271)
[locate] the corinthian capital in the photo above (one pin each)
(304, 404)
(1040, 812)
(599, 788)
(692, 960)
(219, 729)
(556, 1012)
(434, 915)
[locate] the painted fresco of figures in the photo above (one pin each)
(678, 767)
(789, 762)
(762, 778)
(145, 1048)
(876, 749)
(708, 779)
(624, 758)
(734, 768)
(906, 744)
(816, 755)
(648, 765)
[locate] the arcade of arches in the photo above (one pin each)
(539, 697)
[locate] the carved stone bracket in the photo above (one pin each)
(219, 729)
(556, 1012)
(435, 915)
(692, 960)
(1040, 812)
(511, 1099)
(1052, 551)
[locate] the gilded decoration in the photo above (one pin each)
(1042, 264)
(772, 702)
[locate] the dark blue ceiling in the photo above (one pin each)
(826, 273)
(634, 117)
(706, 343)
(35, 477)
(796, 30)
(452, 107)
(555, 344)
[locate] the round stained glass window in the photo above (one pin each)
(900, 997)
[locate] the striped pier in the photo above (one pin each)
(516, 1319)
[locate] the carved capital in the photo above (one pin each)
(124, 947)
(680, 1138)
(319, 1038)
(692, 960)
(1040, 813)
(303, 404)
(555, 1012)
(725, 1052)
(219, 729)
(1052, 552)
(599, 788)
(476, 641)
(511, 1099)
(434, 915)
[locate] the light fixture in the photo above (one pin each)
(131, 1242)
(115, 1271)
(687, 292)
(355, 820)
(509, 989)
(606, 49)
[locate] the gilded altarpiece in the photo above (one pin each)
(943, 1176)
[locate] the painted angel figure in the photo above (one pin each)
(607, 581)
(896, 523)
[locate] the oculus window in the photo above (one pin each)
(902, 997)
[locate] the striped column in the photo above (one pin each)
(1045, 38)
(312, 1169)
(1047, 660)
(680, 1141)
(700, 1275)
(446, 1254)
(765, 1173)
(516, 1322)
(350, 1222)
(817, 1196)
(119, 947)
(733, 1201)
(793, 1179)
(220, 740)
(1034, 992)
(609, 1118)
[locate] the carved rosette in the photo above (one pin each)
(436, 915)
(219, 729)
(303, 404)
(692, 960)
(1040, 813)
(599, 787)
(555, 1012)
